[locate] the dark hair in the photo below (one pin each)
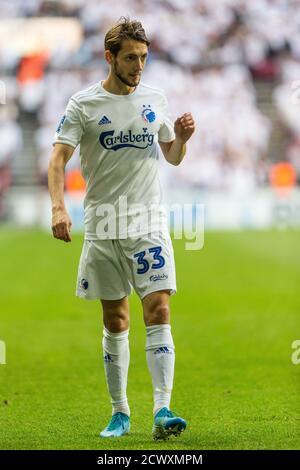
(124, 29)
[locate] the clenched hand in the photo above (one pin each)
(61, 225)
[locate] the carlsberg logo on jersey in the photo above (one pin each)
(111, 142)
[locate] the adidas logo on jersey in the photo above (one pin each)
(104, 120)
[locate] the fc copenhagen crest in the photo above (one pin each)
(148, 114)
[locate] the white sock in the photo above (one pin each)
(160, 353)
(116, 363)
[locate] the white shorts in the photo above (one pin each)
(108, 269)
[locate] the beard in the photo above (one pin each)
(129, 81)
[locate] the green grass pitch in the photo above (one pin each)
(234, 319)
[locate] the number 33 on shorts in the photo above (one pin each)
(158, 260)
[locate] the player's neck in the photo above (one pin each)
(115, 86)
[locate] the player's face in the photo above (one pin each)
(130, 62)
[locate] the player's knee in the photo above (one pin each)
(115, 315)
(159, 314)
(117, 324)
(116, 321)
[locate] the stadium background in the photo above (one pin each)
(236, 66)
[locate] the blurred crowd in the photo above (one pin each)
(206, 54)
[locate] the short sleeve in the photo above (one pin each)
(70, 128)
(166, 132)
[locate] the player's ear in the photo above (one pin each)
(108, 57)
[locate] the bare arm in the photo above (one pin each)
(61, 222)
(174, 151)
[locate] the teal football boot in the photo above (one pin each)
(119, 426)
(166, 423)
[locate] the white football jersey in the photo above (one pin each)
(118, 137)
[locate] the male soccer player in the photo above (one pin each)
(119, 123)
